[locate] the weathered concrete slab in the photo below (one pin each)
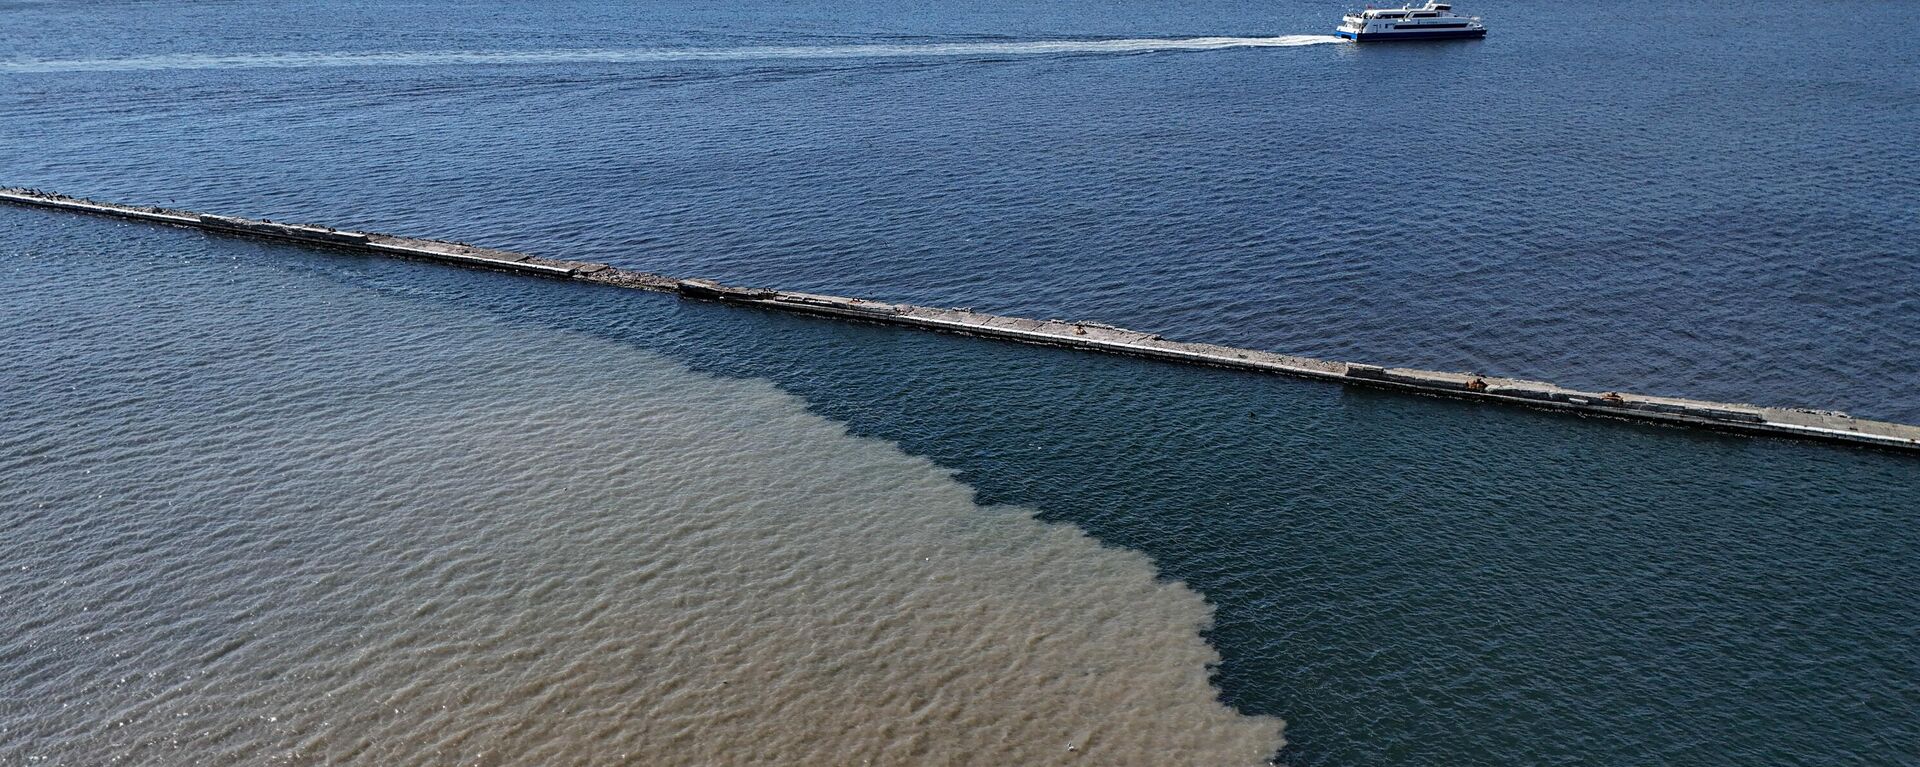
(1813, 424)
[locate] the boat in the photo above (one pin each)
(1433, 21)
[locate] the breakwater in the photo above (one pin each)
(1753, 419)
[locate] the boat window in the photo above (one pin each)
(1425, 15)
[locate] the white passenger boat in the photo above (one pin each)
(1433, 21)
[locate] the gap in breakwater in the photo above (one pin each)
(1743, 418)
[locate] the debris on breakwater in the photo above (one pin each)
(1093, 336)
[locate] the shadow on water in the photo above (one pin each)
(1404, 579)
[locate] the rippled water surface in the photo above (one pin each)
(268, 504)
(459, 541)
(1643, 196)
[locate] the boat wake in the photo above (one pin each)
(657, 55)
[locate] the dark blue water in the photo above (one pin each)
(1645, 196)
(1691, 199)
(1404, 580)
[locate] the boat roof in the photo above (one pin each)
(1430, 6)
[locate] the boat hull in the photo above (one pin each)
(1388, 37)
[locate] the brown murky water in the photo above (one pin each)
(285, 519)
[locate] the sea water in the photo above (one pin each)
(270, 503)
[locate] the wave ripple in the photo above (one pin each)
(295, 519)
(654, 55)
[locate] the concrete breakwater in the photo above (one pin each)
(1796, 422)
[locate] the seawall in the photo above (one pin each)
(1743, 418)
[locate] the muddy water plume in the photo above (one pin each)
(270, 517)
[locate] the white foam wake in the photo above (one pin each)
(652, 55)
